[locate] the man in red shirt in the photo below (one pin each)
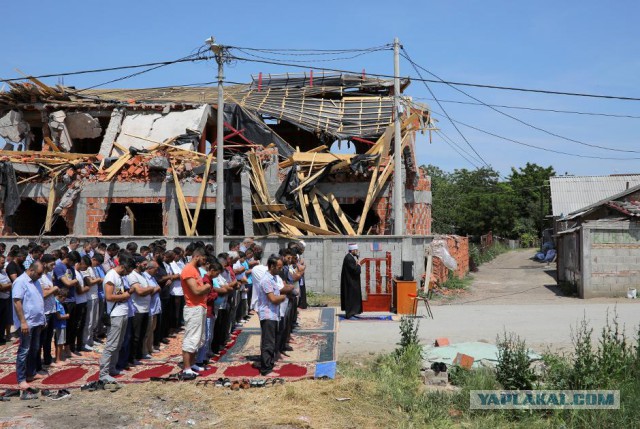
(195, 311)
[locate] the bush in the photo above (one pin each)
(454, 282)
(408, 333)
(514, 370)
(479, 256)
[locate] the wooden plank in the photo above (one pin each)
(48, 223)
(51, 144)
(37, 153)
(310, 179)
(269, 207)
(181, 200)
(303, 208)
(203, 187)
(318, 210)
(369, 199)
(264, 220)
(343, 219)
(306, 227)
(117, 166)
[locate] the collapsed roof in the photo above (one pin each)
(125, 133)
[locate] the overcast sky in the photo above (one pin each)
(572, 46)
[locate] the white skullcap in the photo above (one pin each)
(302, 243)
(353, 246)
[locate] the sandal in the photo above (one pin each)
(226, 382)
(235, 385)
(219, 382)
(244, 384)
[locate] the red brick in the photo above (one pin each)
(441, 342)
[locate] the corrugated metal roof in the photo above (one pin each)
(572, 193)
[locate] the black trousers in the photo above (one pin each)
(220, 331)
(162, 326)
(138, 333)
(269, 330)
(72, 322)
(302, 303)
(177, 310)
(81, 310)
(46, 336)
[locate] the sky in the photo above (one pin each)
(568, 46)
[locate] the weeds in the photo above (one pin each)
(453, 282)
(479, 256)
(514, 370)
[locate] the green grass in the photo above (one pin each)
(398, 392)
(479, 256)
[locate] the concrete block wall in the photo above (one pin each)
(324, 255)
(611, 259)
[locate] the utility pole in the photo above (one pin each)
(219, 51)
(398, 191)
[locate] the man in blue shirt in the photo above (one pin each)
(64, 276)
(28, 305)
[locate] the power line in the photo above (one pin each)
(476, 85)
(312, 52)
(353, 55)
(73, 73)
(537, 147)
(416, 66)
(536, 109)
(138, 73)
(449, 118)
(460, 153)
(473, 161)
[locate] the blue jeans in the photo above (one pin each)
(206, 347)
(27, 353)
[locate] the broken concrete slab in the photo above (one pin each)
(82, 126)
(13, 127)
(113, 129)
(143, 130)
(59, 131)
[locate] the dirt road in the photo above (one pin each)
(512, 294)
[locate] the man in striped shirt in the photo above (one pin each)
(268, 306)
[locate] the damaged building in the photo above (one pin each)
(85, 159)
(305, 155)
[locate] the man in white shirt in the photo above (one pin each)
(141, 294)
(155, 307)
(118, 311)
(92, 280)
(257, 273)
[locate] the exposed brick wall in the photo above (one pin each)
(417, 219)
(97, 209)
(459, 249)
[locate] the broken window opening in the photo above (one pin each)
(30, 218)
(91, 145)
(148, 219)
(206, 224)
(354, 211)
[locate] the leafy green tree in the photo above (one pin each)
(474, 202)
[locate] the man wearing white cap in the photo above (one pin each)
(350, 289)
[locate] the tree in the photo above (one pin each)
(533, 197)
(474, 202)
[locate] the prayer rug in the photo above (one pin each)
(314, 342)
(361, 318)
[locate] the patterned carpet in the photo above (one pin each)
(314, 342)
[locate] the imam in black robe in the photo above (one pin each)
(350, 292)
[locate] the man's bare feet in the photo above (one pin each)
(24, 385)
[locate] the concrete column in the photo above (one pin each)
(80, 221)
(584, 286)
(247, 213)
(327, 267)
